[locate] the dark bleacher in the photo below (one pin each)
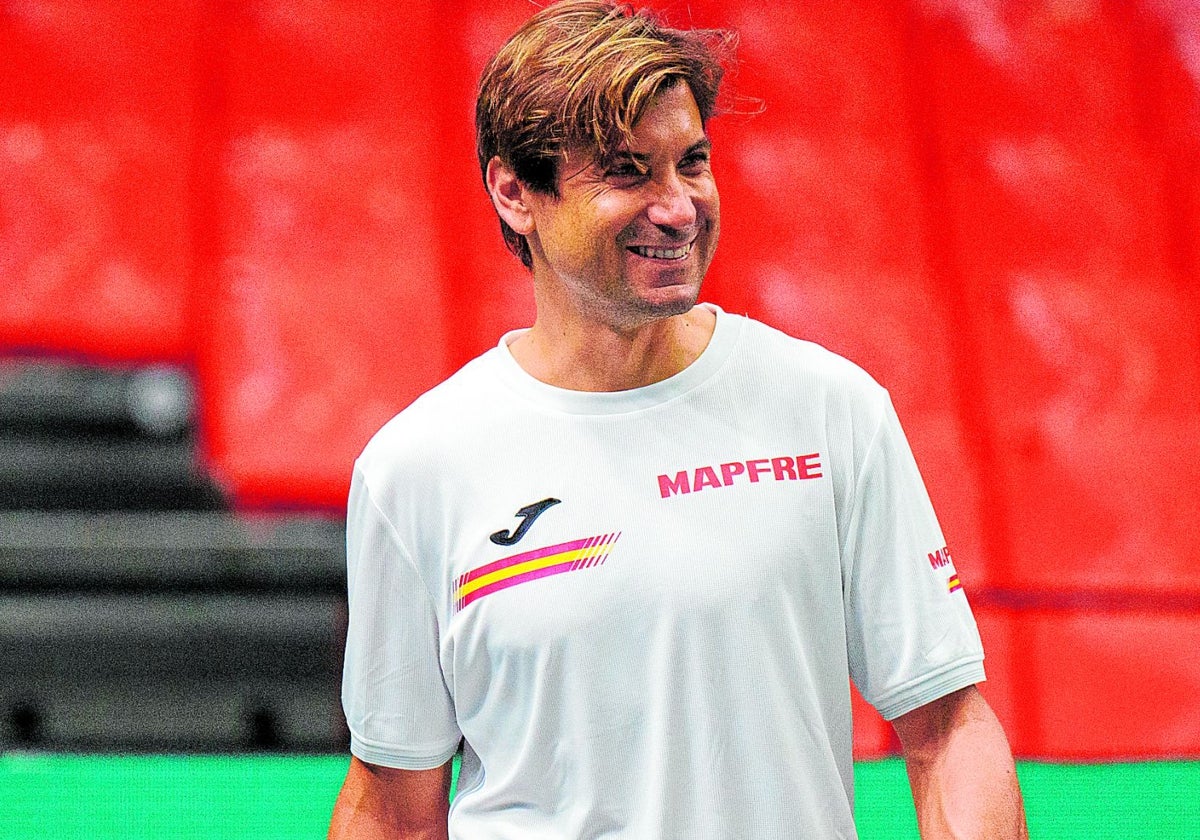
(136, 613)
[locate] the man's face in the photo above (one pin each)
(629, 240)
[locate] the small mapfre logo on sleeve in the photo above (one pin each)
(941, 561)
(941, 558)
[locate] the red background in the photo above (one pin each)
(993, 207)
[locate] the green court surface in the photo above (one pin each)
(193, 797)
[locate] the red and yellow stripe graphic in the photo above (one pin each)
(954, 584)
(531, 565)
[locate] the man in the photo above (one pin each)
(630, 558)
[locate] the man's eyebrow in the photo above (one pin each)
(701, 145)
(625, 155)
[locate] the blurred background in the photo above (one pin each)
(236, 236)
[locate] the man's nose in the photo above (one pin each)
(673, 204)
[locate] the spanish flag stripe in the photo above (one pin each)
(518, 569)
(516, 559)
(513, 580)
(531, 565)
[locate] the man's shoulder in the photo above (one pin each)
(436, 416)
(776, 353)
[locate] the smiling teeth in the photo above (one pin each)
(663, 253)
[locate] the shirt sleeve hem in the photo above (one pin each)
(938, 684)
(401, 759)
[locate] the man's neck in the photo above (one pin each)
(596, 357)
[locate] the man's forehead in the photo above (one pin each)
(584, 156)
(669, 121)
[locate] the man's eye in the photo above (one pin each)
(625, 171)
(694, 163)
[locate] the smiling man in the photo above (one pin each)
(629, 560)
(619, 252)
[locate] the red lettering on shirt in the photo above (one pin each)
(670, 487)
(757, 467)
(782, 468)
(940, 558)
(705, 477)
(728, 471)
(807, 465)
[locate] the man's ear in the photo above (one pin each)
(509, 196)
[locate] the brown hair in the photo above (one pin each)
(578, 74)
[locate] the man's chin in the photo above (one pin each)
(668, 301)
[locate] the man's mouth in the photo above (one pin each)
(677, 253)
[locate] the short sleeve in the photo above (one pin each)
(394, 694)
(910, 633)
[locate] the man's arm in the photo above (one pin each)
(380, 802)
(961, 770)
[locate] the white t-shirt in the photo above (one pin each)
(658, 646)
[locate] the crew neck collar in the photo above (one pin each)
(711, 358)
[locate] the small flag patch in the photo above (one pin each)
(954, 584)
